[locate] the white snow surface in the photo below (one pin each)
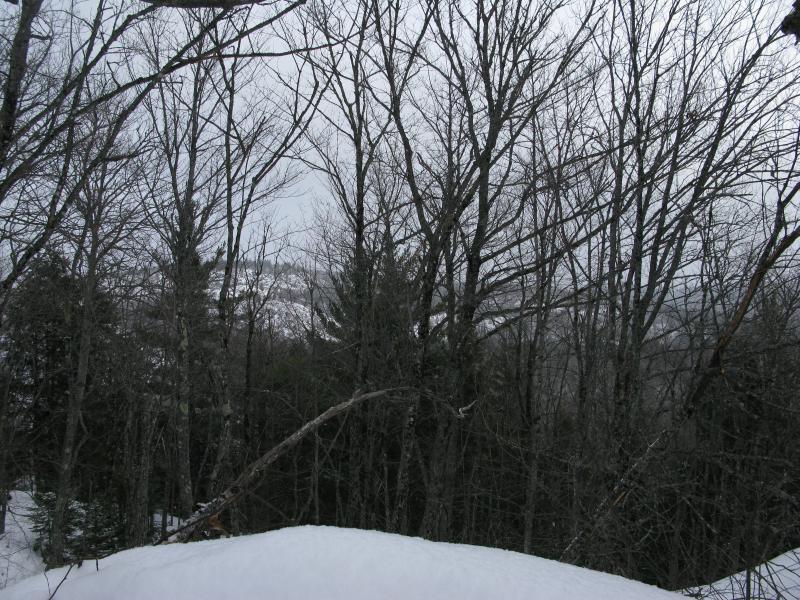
(776, 579)
(328, 563)
(17, 557)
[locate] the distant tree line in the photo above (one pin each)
(560, 235)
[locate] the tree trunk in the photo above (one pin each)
(182, 434)
(139, 428)
(434, 516)
(5, 443)
(17, 68)
(399, 521)
(77, 391)
(222, 460)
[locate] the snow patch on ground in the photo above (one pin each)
(18, 559)
(171, 523)
(777, 579)
(328, 563)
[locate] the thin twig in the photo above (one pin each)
(63, 579)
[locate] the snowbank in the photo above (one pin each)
(316, 563)
(777, 579)
(17, 557)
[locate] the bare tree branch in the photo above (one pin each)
(252, 473)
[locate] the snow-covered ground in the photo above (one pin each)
(777, 579)
(339, 564)
(17, 557)
(316, 563)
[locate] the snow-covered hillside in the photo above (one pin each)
(315, 563)
(777, 579)
(17, 557)
(331, 563)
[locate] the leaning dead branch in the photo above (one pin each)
(253, 472)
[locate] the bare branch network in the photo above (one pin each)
(561, 236)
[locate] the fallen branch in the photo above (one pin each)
(63, 579)
(251, 474)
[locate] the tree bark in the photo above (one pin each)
(139, 429)
(17, 67)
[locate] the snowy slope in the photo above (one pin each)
(17, 557)
(326, 563)
(777, 579)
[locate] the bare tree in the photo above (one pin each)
(102, 220)
(40, 118)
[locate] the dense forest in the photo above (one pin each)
(551, 258)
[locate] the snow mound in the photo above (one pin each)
(328, 563)
(17, 557)
(777, 579)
